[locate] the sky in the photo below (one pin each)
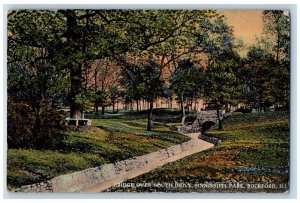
(247, 24)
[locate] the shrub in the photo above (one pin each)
(25, 130)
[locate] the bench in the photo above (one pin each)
(78, 122)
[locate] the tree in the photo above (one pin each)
(79, 36)
(100, 98)
(114, 94)
(224, 87)
(277, 30)
(267, 65)
(151, 86)
(33, 77)
(264, 79)
(103, 73)
(84, 99)
(221, 88)
(143, 80)
(185, 81)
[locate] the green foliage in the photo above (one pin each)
(223, 86)
(83, 99)
(187, 80)
(266, 82)
(113, 92)
(143, 80)
(267, 69)
(100, 98)
(215, 37)
(277, 34)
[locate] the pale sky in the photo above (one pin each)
(247, 24)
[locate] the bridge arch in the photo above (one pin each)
(204, 120)
(189, 119)
(207, 125)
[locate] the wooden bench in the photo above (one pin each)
(78, 122)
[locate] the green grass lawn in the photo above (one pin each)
(254, 149)
(109, 140)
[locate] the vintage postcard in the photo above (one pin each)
(116, 100)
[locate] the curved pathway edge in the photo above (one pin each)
(101, 178)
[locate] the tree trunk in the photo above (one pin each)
(75, 70)
(95, 90)
(140, 104)
(103, 110)
(182, 109)
(219, 120)
(277, 41)
(96, 110)
(75, 76)
(137, 105)
(37, 123)
(149, 124)
(113, 106)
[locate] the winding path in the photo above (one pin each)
(101, 178)
(200, 145)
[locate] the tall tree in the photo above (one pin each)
(277, 30)
(32, 75)
(185, 81)
(151, 86)
(268, 63)
(221, 81)
(224, 87)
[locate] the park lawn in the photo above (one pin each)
(137, 127)
(254, 149)
(108, 141)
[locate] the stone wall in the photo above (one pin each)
(209, 139)
(81, 180)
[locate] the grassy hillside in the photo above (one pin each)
(254, 150)
(109, 140)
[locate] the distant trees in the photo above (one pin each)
(114, 94)
(143, 81)
(104, 74)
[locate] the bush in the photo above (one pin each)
(25, 130)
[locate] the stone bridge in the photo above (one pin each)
(203, 121)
